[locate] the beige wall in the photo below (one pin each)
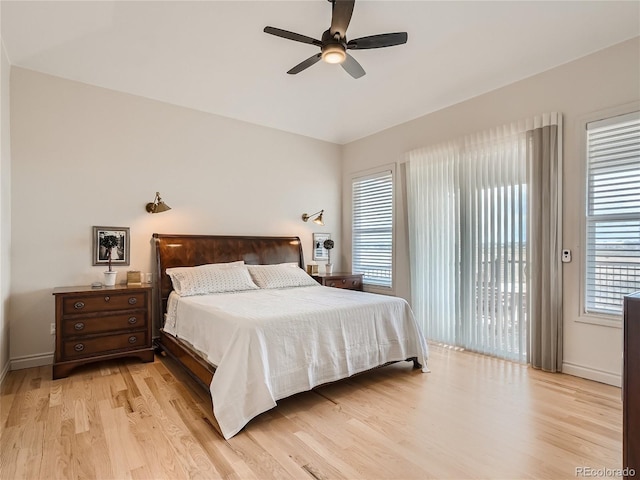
(5, 211)
(605, 79)
(85, 156)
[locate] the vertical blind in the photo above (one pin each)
(467, 210)
(372, 234)
(613, 212)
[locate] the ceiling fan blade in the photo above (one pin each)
(341, 16)
(292, 36)
(378, 41)
(305, 64)
(352, 67)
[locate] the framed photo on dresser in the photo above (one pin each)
(114, 239)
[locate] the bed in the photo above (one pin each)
(264, 330)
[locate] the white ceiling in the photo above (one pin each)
(213, 55)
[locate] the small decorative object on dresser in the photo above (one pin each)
(328, 245)
(134, 278)
(350, 281)
(94, 325)
(109, 242)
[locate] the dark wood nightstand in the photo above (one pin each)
(94, 324)
(350, 281)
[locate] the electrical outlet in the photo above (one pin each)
(53, 328)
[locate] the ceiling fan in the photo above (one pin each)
(334, 44)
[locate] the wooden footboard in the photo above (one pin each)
(201, 370)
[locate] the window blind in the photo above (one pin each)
(613, 212)
(372, 231)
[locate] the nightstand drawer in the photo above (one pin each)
(104, 344)
(350, 283)
(106, 300)
(110, 323)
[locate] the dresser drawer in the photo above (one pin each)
(109, 323)
(349, 282)
(98, 303)
(84, 347)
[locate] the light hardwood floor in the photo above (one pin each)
(472, 417)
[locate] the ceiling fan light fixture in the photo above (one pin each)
(333, 53)
(334, 44)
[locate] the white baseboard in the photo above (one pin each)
(601, 376)
(29, 361)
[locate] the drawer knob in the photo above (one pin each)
(355, 282)
(332, 284)
(133, 339)
(107, 298)
(132, 320)
(79, 326)
(133, 301)
(78, 305)
(78, 347)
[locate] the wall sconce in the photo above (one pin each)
(317, 220)
(157, 205)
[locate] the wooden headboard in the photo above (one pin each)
(193, 250)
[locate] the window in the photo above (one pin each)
(612, 212)
(372, 228)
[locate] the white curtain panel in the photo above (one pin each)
(468, 213)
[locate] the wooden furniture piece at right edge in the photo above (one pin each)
(631, 386)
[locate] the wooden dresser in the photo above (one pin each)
(94, 324)
(350, 281)
(631, 384)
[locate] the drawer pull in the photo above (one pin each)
(132, 320)
(133, 340)
(78, 305)
(355, 282)
(133, 301)
(79, 326)
(107, 298)
(78, 347)
(332, 284)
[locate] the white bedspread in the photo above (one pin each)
(270, 344)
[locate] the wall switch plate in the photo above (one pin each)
(53, 329)
(566, 256)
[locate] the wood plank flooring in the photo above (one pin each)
(472, 417)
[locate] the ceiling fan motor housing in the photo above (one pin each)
(334, 49)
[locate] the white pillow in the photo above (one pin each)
(282, 275)
(212, 278)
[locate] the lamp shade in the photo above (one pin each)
(318, 220)
(157, 206)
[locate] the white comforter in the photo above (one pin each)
(270, 344)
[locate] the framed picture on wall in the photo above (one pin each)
(111, 239)
(319, 252)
